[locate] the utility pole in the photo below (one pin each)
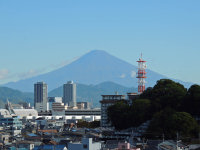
(177, 141)
(163, 135)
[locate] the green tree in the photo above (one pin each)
(118, 114)
(86, 124)
(123, 116)
(170, 122)
(82, 124)
(140, 112)
(161, 104)
(94, 124)
(147, 94)
(167, 93)
(191, 102)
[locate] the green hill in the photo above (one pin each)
(14, 96)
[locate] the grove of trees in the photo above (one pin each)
(169, 106)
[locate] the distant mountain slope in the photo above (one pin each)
(92, 93)
(14, 96)
(92, 68)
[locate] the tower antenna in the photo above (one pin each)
(141, 75)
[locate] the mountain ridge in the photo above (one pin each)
(14, 96)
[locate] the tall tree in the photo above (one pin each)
(118, 114)
(191, 102)
(168, 93)
(170, 122)
(140, 112)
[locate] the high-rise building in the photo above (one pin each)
(40, 96)
(69, 94)
(107, 101)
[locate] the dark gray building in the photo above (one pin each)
(69, 94)
(108, 100)
(40, 96)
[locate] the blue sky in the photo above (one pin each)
(40, 36)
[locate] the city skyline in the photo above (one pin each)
(38, 37)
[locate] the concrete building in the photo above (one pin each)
(4, 137)
(83, 105)
(13, 122)
(69, 94)
(86, 144)
(132, 97)
(40, 96)
(29, 145)
(80, 105)
(17, 106)
(25, 112)
(58, 109)
(108, 100)
(9, 111)
(52, 100)
(83, 114)
(125, 146)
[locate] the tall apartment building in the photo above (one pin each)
(40, 96)
(69, 94)
(108, 100)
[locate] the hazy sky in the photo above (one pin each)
(41, 35)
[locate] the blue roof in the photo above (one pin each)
(47, 147)
(14, 148)
(32, 134)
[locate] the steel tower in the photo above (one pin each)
(141, 74)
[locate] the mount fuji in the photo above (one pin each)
(94, 68)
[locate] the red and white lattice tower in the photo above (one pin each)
(141, 74)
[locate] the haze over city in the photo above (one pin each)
(41, 36)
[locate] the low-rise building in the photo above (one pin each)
(4, 137)
(25, 112)
(52, 100)
(83, 105)
(132, 97)
(58, 109)
(171, 145)
(126, 146)
(13, 122)
(29, 145)
(86, 144)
